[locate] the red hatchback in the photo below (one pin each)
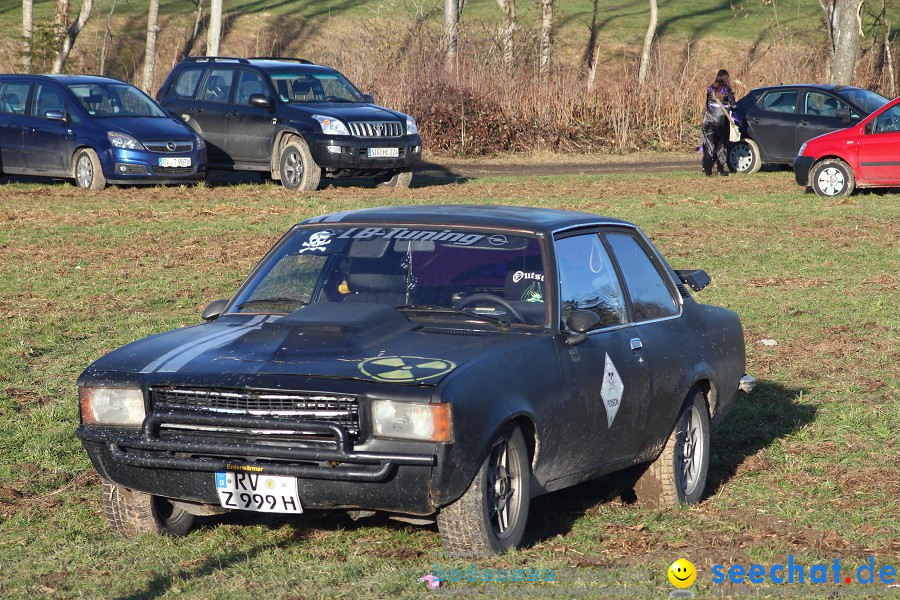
(864, 155)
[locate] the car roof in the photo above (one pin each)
(526, 218)
(69, 79)
(266, 63)
(821, 86)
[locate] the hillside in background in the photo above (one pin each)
(391, 48)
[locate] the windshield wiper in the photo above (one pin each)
(431, 308)
(277, 300)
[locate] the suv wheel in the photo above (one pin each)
(399, 181)
(131, 513)
(833, 177)
(297, 168)
(88, 171)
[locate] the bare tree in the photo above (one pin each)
(508, 31)
(27, 32)
(71, 32)
(592, 51)
(150, 47)
(648, 43)
(107, 37)
(843, 25)
(214, 33)
(451, 32)
(546, 34)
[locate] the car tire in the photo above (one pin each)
(743, 157)
(400, 181)
(87, 170)
(297, 168)
(131, 513)
(678, 475)
(832, 178)
(490, 517)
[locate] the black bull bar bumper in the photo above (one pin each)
(155, 452)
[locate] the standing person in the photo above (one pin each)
(719, 98)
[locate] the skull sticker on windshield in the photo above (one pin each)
(317, 241)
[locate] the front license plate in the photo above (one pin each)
(260, 493)
(384, 152)
(175, 162)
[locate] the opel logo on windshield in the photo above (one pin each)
(171, 146)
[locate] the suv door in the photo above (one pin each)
(210, 112)
(773, 122)
(608, 384)
(46, 141)
(818, 115)
(13, 102)
(251, 129)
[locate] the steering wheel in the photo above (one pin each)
(494, 299)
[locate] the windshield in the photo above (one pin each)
(865, 99)
(115, 100)
(426, 272)
(314, 87)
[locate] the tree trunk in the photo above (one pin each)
(508, 31)
(845, 40)
(150, 49)
(71, 34)
(451, 32)
(648, 43)
(592, 73)
(546, 35)
(27, 32)
(107, 37)
(215, 28)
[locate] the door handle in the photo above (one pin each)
(636, 344)
(755, 119)
(232, 113)
(804, 123)
(197, 110)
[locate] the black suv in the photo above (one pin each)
(289, 117)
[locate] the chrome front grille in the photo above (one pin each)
(376, 129)
(169, 147)
(341, 410)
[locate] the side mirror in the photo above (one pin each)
(214, 310)
(579, 323)
(55, 115)
(368, 98)
(697, 279)
(259, 101)
(843, 114)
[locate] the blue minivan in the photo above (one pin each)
(95, 130)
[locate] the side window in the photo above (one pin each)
(46, 98)
(823, 105)
(587, 280)
(651, 298)
(13, 97)
(217, 87)
(780, 101)
(888, 121)
(185, 84)
(249, 82)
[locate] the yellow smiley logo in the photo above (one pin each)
(682, 573)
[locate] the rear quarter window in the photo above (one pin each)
(185, 84)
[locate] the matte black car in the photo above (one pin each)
(94, 130)
(291, 119)
(776, 121)
(445, 362)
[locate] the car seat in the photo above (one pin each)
(247, 89)
(11, 104)
(49, 100)
(215, 89)
(301, 89)
(378, 280)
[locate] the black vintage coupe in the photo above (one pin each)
(433, 362)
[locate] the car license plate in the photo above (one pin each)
(174, 162)
(384, 152)
(256, 492)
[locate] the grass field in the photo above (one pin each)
(808, 465)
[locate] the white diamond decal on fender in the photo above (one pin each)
(611, 391)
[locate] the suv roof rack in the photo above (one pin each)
(290, 58)
(214, 59)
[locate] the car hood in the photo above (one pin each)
(147, 128)
(348, 112)
(362, 341)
